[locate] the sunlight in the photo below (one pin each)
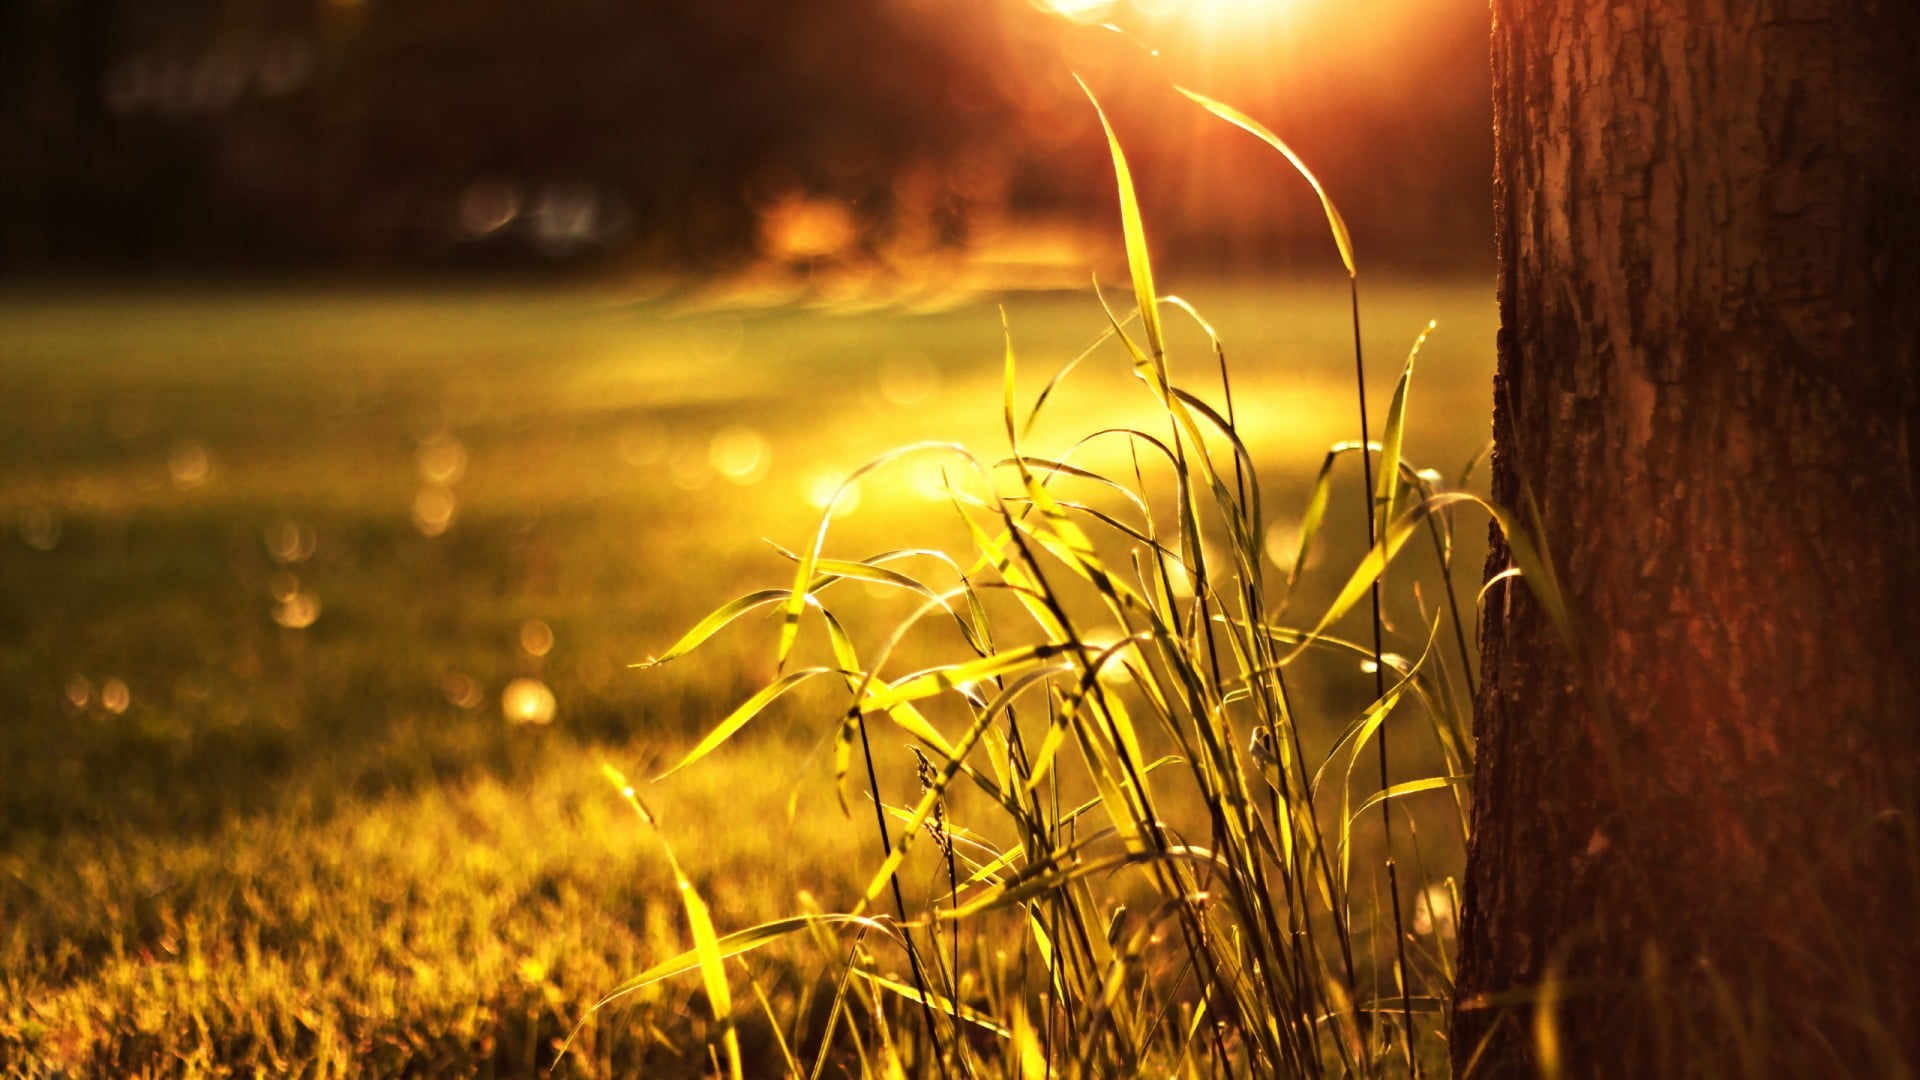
(1081, 10)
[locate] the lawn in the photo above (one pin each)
(288, 575)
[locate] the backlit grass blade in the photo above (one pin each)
(749, 709)
(1135, 233)
(1409, 787)
(1392, 439)
(1314, 515)
(1356, 734)
(1033, 416)
(713, 970)
(1374, 563)
(706, 944)
(939, 680)
(937, 790)
(713, 624)
(1231, 115)
(959, 1012)
(803, 572)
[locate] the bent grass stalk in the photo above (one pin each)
(1158, 859)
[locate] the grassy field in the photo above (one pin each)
(287, 576)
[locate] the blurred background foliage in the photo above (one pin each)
(435, 134)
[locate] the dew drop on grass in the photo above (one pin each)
(536, 637)
(527, 701)
(434, 508)
(114, 696)
(741, 454)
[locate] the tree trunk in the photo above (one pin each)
(1693, 826)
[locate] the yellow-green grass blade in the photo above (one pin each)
(1125, 813)
(959, 1012)
(937, 790)
(1049, 877)
(1066, 468)
(1375, 562)
(749, 709)
(1391, 439)
(1313, 515)
(1408, 787)
(926, 684)
(1068, 712)
(713, 624)
(1356, 734)
(804, 571)
(713, 971)
(732, 945)
(773, 1024)
(1135, 234)
(1033, 417)
(1341, 238)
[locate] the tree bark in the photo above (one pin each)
(1693, 825)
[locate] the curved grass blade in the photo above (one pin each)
(958, 1012)
(1341, 238)
(713, 624)
(732, 945)
(1136, 239)
(1409, 787)
(1392, 439)
(749, 709)
(803, 572)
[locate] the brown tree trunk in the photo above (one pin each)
(1693, 826)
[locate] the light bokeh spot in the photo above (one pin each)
(441, 459)
(189, 464)
(740, 454)
(290, 542)
(297, 611)
(1282, 544)
(461, 691)
(528, 701)
(434, 510)
(824, 483)
(909, 378)
(115, 697)
(536, 637)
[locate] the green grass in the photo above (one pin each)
(291, 849)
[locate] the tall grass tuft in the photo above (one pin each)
(1162, 864)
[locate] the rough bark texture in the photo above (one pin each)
(1695, 822)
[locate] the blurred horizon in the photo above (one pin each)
(890, 140)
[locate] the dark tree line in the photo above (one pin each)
(396, 132)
